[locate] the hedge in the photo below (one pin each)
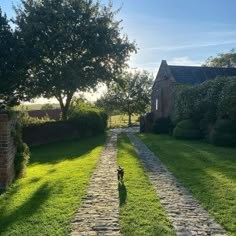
(163, 126)
(224, 133)
(186, 129)
(79, 125)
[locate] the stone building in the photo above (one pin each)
(162, 97)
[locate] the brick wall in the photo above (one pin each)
(7, 150)
(163, 90)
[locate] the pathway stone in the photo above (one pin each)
(186, 214)
(99, 211)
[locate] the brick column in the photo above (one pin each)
(7, 151)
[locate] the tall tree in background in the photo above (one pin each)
(131, 94)
(227, 60)
(72, 45)
(10, 64)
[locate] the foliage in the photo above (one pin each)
(209, 172)
(10, 63)
(186, 129)
(47, 106)
(223, 60)
(131, 93)
(45, 201)
(207, 102)
(138, 198)
(118, 121)
(224, 133)
(163, 125)
(26, 120)
(22, 152)
(90, 121)
(71, 46)
(87, 116)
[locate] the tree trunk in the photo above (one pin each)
(65, 107)
(64, 112)
(129, 119)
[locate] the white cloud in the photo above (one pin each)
(184, 61)
(191, 46)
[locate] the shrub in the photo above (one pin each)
(26, 120)
(90, 121)
(186, 129)
(206, 102)
(163, 126)
(22, 152)
(224, 133)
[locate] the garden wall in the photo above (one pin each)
(7, 150)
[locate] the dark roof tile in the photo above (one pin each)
(197, 74)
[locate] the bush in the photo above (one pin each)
(186, 129)
(163, 126)
(22, 152)
(95, 122)
(224, 133)
(26, 120)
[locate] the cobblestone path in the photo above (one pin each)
(186, 214)
(99, 211)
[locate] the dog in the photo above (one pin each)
(120, 173)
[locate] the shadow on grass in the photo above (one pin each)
(27, 209)
(122, 193)
(66, 150)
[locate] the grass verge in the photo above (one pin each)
(140, 211)
(209, 172)
(44, 202)
(118, 121)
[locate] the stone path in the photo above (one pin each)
(99, 212)
(186, 214)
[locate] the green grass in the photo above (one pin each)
(140, 211)
(209, 172)
(44, 202)
(122, 121)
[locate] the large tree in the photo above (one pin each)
(10, 79)
(223, 60)
(72, 45)
(130, 94)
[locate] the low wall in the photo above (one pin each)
(7, 150)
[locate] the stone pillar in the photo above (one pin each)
(7, 150)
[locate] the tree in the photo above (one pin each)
(223, 60)
(131, 94)
(72, 45)
(10, 79)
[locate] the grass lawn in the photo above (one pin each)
(209, 172)
(140, 211)
(122, 121)
(44, 202)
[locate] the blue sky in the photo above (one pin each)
(184, 32)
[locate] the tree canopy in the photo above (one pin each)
(131, 94)
(223, 60)
(71, 46)
(10, 79)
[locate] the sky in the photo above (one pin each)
(183, 32)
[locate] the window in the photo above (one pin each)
(156, 104)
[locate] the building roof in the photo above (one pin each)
(198, 74)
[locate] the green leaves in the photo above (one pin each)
(130, 94)
(223, 60)
(71, 46)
